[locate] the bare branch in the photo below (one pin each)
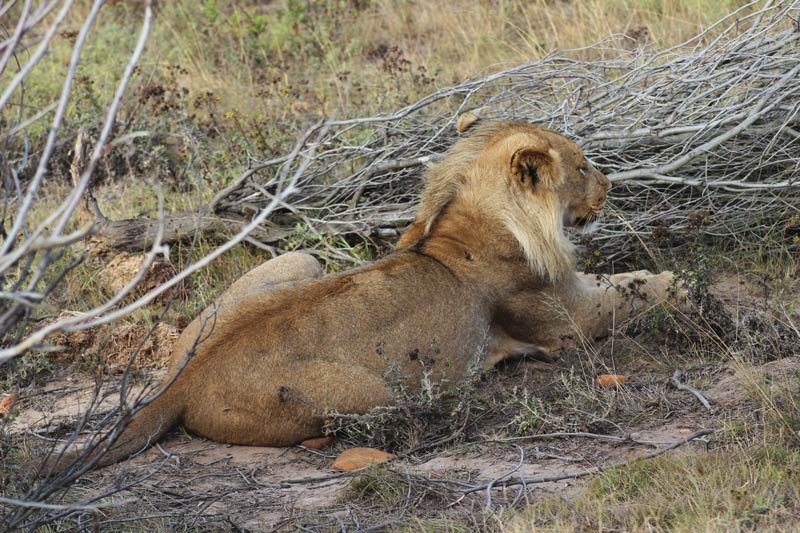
(676, 382)
(52, 506)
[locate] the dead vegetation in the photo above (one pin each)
(702, 142)
(698, 138)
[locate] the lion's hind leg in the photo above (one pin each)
(290, 267)
(287, 268)
(286, 406)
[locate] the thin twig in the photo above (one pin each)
(676, 382)
(62, 507)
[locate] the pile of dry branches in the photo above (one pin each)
(703, 135)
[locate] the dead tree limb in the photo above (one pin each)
(676, 382)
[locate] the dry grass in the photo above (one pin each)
(748, 481)
(349, 57)
(292, 60)
(739, 489)
(468, 36)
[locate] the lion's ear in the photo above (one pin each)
(533, 165)
(466, 121)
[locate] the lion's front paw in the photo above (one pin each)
(666, 276)
(679, 292)
(625, 278)
(666, 287)
(653, 288)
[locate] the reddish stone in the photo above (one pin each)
(319, 443)
(356, 458)
(608, 381)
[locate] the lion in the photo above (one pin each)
(543, 318)
(485, 270)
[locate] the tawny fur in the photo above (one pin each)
(486, 253)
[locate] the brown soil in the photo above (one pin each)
(119, 345)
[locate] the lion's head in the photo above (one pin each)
(535, 181)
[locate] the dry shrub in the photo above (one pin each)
(698, 139)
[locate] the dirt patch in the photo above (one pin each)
(770, 380)
(120, 345)
(125, 268)
(67, 397)
(154, 352)
(211, 485)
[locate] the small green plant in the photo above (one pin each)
(531, 414)
(379, 485)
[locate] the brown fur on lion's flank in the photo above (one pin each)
(484, 270)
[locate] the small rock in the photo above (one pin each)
(6, 403)
(317, 444)
(356, 458)
(608, 381)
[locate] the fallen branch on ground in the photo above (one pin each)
(676, 382)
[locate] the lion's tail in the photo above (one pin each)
(144, 430)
